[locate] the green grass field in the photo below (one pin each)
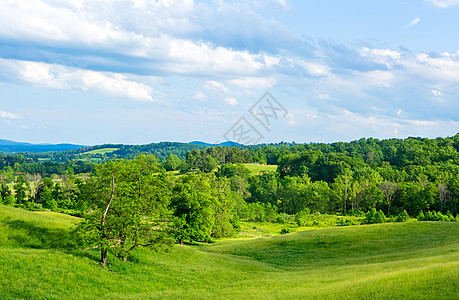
(100, 151)
(257, 168)
(415, 260)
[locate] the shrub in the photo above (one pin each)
(301, 216)
(373, 217)
(421, 216)
(344, 222)
(402, 217)
(9, 200)
(285, 230)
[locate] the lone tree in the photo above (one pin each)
(128, 207)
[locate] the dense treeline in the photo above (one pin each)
(394, 175)
(391, 175)
(13, 164)
(160, 150)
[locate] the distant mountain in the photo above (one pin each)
(225, 144)
(12, 147)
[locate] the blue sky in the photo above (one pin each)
(141, 71)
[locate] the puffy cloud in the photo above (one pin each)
(213, 84)
(200, 96)
(443, 3)
(61, 77)
(149, 37)
(231, 101)
(260, 83)
(8, 115)
(435, 68)
(382, 56)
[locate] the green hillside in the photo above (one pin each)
(415, 260)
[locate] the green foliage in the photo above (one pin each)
(172, 163)
(128, 205)
(230, 170)
(301, 217)
(437, 216)
(208, 164)
(9, 200)
(191, 204)
(373, 217)
(285, 230)
(21, 187)
(402, 217)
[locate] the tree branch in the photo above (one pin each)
(109, 202)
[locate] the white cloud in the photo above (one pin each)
(213, 84)
(314, 68)
(61, 77)
(200, 96)
(260, 83)
(412, 23)
(440, 68)
(382, 56)
(437, 93)
(323, 95)
(164, 35)
(352, 125)
(8, 115)
(231, 101)
(443, 3)
(379, 78)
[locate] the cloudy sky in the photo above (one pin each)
(141, 71)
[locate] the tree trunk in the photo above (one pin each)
(103, 257)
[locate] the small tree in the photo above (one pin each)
(192, 209)
(373, 217)
(21, 187)
(128, 207)
(172, 163)
(389, 190)
(208, 164)
(5, 192)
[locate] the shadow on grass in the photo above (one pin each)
(30, 235)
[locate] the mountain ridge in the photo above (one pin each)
(14, 147)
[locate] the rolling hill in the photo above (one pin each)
(39, 258)
(12, 147)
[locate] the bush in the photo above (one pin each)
(280, 219)
(9, 200)
(373, 217)
(344, 222)
(421, 216)
(285, 230)
(402, 217)
(301, 216)
(437, 216)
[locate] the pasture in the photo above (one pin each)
(41, 258)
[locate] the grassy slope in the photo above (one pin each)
(257, 169)
(100, 151)
(413, 260)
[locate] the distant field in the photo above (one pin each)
(264, 229)
(416, 260)
(257, 168)
(100, 151)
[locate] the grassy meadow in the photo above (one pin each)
(100, 151)
(257, 168)
(39, 258)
